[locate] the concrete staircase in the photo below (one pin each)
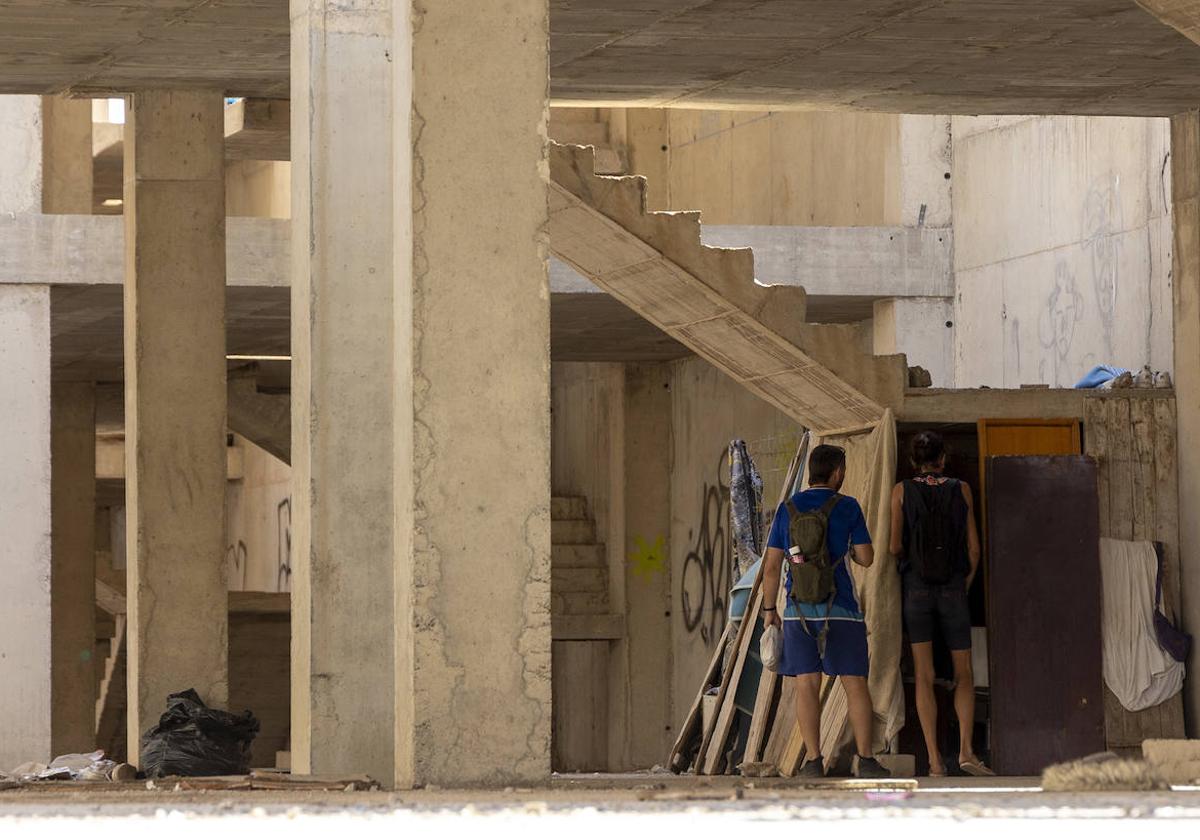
(580, 604)
(583, 627)
(707, 298)
(584, 127)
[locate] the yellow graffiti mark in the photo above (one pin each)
(648, 558)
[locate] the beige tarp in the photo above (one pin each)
(870, 475)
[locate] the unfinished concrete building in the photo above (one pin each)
(373, 365)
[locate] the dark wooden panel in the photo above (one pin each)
(1044, 609)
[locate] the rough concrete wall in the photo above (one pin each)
(258, 517)
(1062, 247)
(258, 188)
(764, 168)
(587, 458)
(648, 698)
(25, 523)
(921, 328)
(708, 409)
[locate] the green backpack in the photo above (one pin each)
(811, 569)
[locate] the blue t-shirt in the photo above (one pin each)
(847, 527)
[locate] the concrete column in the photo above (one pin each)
(922, 329)
(73, 567)
(66, 155)
(25, 458)
(1185, 211)
(420, 382)
(472, 385)
(175, 401)
(342, 121)
(25, 523)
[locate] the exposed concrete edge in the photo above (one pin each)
(967, 405)
(90, 250)
(868, 262)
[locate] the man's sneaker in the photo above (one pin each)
(812, 769)
(869, 768)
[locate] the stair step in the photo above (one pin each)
(572, 532)
(579, 133)
(610, 161)
(579, 603)
(563, 581)
(568, 507)
(578, 557)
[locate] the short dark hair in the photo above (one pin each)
(926, 450)
(824, 462)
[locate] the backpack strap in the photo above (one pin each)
(830, 504)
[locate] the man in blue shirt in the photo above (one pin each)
(808, 647)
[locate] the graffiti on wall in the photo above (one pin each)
(706, 578)
(283, 533)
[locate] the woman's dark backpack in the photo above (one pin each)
(935, 536)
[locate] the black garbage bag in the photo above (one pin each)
(191, 739)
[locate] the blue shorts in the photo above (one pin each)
(845, 648)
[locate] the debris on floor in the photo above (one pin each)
(190, 739)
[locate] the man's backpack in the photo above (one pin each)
(811, 569)
(934, 535)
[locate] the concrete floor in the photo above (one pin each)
(589, 806)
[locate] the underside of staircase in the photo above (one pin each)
(707, 298)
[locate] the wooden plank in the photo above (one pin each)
(785, 720)
(1120, 478)
(1166, 499)
(768, 689)
(1141, 426)
(1096, 425)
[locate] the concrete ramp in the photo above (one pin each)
(704, 297)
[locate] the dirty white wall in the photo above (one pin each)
(1062, 247)
(258, 530)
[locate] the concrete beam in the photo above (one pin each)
(1181, 15)
(66, 155)
(88, 250)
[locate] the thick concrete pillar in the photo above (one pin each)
(420, 426)
(342, 684)
(472, 385)
(66, 155)
(1185, 210)
(175, 401)
(73, 567)
(25, 655)
(24, 461)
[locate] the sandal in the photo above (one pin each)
(975, 767)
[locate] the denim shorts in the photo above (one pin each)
(929, 605)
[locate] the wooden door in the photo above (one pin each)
(1045, 436)
(1047, 700)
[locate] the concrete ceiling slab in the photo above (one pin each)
(931, 56)
(87, 329)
